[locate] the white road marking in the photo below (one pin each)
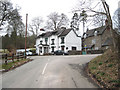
(44, 68)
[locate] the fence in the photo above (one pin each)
(13, 58)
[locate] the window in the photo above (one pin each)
(40, 42)
(66, 48)
(52, 41)
(93, 41)
(46, 40)
(85, 35)
(96, 48)
(74, 48)
(52, 49)
(95, 33)
(62, 48)
(62, 40)
(40, 50)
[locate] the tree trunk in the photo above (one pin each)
(106, 7)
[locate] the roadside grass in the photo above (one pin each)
(11, 65)
(105, 69)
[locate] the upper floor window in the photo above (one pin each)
(46, 40)
(95, 33)
(41, 42)
(62, 40)
(85, 36)
(52, 41)
(93, 41)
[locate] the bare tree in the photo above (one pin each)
(99, 20)
(91, 7)
(35, 25)
(10, 17)
(95, 11)
(115, 19)
(56, 21)
(5, 10)
(31, 29)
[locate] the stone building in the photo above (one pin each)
(97, 38)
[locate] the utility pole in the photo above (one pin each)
(26, 35)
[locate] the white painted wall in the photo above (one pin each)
(37, 43)
(72, 40)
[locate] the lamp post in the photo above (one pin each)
(26, 35)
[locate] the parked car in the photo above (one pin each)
(60, 52)
(28, 53)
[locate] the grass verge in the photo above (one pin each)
(12, 65)
(104, 69)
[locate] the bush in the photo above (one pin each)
(110, 65)
(93, 68)
(100, 63)
(102, 73)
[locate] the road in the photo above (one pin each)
(50, 72)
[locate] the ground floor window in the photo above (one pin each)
(45, 49)
(40, 49)
(62, 48)
(74, 48)
(53, 49)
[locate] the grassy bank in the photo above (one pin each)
(104, 69)
(14, 64)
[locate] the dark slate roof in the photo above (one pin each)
(99, 30)
(41, 35)
(59, 32)
(65, 32)
(47, 34)
(107, 42)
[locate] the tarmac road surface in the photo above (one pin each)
(50, 72)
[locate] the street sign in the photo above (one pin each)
(85, 46)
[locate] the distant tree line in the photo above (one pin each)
(11, 23)
(15, 41)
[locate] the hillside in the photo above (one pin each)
(104, 69)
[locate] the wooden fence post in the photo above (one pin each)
(13, 57)
(6, 59)
(17, 57)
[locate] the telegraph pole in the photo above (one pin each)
(26, 35)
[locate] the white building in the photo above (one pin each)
(62, 39)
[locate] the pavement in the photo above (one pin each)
(50, 72)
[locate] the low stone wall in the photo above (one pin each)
(74, 52)
(95, 52)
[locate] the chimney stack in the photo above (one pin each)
(42, 31)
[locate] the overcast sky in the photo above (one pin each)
(43, 8)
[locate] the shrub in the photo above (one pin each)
(110, 65)
(93, 68)
(100, 63)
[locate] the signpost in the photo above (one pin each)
(85, 48)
